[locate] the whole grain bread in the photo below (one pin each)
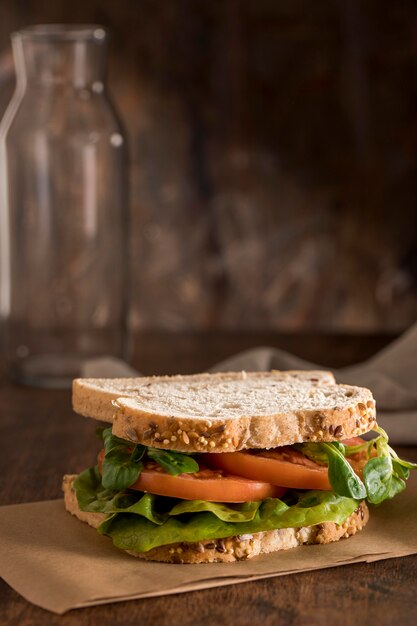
(237, 548)
(227, 411)
(93, 397)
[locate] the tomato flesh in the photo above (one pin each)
(243, 476)
(282, 466)
(353, 441)
(206, 484)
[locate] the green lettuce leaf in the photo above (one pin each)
(122, 461)
(134, 532)
(93, 497)
(173, 462)
(140, 522)
(384, 474)
(244, 512)
(342, 477)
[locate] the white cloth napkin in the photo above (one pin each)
(391, 375)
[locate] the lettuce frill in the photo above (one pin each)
(142, 521)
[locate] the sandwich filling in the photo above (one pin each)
(154, 497)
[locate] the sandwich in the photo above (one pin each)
(224, 467)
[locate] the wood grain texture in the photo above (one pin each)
(273, 150)
(41, 439)
(187, 353)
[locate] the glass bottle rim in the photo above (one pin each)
(62, 32)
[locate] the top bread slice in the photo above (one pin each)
(93, 397)
(226, 412)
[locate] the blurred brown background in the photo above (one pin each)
(273, 157)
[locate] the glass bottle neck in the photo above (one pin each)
(60, 55)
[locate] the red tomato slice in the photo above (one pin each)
(214, 486)
(282, 466)
(353, 441)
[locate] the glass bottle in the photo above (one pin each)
(63, 208)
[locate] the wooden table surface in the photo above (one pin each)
(41, 439)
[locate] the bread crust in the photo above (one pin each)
(237, 548)
(267, 431)
(229, 434)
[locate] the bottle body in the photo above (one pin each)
(63, 221)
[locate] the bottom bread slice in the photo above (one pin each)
(236, 548)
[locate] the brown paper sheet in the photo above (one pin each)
(59, 563)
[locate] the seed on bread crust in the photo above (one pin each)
(150, 431)
(145, 417)
(338, 431)
(132, 434)
(220, 547)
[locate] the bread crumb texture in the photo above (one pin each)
(228, 411)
